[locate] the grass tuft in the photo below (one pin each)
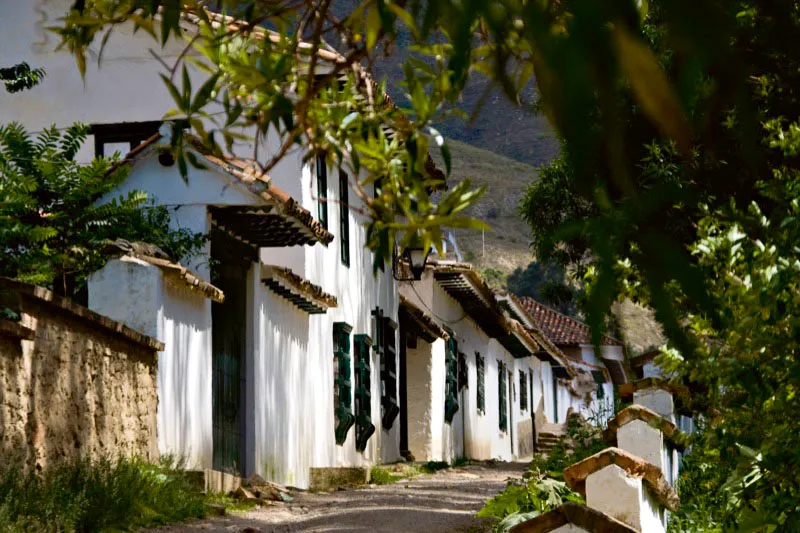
(83, 495)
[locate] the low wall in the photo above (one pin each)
(73, 384)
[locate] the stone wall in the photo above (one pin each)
(73, 383)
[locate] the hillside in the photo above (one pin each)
(506, 245)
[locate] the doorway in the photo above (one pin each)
(228, 345)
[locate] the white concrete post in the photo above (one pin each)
(611, 490)
(642, 440)
(658, 400)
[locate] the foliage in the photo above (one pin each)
(541, 487)
(380, 475)
(20, 77)
(106, 495)
(548, 283)
(230, 503)
(678, 184)
(52, 231)
(525, 499)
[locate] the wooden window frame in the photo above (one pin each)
(342, 391)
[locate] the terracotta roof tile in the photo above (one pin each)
(561, 329)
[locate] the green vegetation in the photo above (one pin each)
(231, 504)
(52, 233)
(542, 487)
(106, 495)
(384, 475)
(678, 185)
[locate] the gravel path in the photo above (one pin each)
(445, 501)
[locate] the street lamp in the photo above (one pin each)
(416, 257)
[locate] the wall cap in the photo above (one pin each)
(43, 295)
(573, 513)
(575, 476)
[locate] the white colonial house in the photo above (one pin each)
(281, 343)
(284, 354)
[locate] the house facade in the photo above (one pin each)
(475, 374)
(290, 363)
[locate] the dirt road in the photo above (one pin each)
(441, 502)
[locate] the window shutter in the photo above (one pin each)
(523, 391)
(451, 385)
(389, 372)
(501, 393)
(364, 426)
(481, 369)
(599, 378)
(342, 391)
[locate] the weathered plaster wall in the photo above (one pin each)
(79, 389)
(139, 295)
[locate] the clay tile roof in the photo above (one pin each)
(575, 476)
(576, 514)
(562, 330)
(302, 293)
(428, 328)
(651, 418)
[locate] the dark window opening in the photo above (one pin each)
(523, 391)
(344, 218)
(451, 384)
(121, 137)
(322, 190)
(502, 394)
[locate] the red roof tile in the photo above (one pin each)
(561, 329)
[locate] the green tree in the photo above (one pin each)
(20, 77)
(52, 230)
(548, 284)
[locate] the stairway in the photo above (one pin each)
(548, 436)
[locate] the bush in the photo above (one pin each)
(83, 495)
(380, 475)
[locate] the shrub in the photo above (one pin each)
(380, 475)
(83, 495)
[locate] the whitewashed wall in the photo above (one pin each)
(138, 294)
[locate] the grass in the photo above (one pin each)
(230, 503)
(385, 475)
(104, 495)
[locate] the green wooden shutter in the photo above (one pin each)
(502, 396)
(523, 391)
(342, 390)
(364, 426)
(388, 360)
(481, 369)
(451, 385)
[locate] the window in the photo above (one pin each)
(121, 137)
(364, 426)
(480, 365)
(451, 385)
(523, 390)
(344, 218)
(555, 398)
(600, 380)
(322, 190)
(385, 329)
(342, 391)
(502, 395)
(530, 376)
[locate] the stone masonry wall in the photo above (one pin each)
(80, 386)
